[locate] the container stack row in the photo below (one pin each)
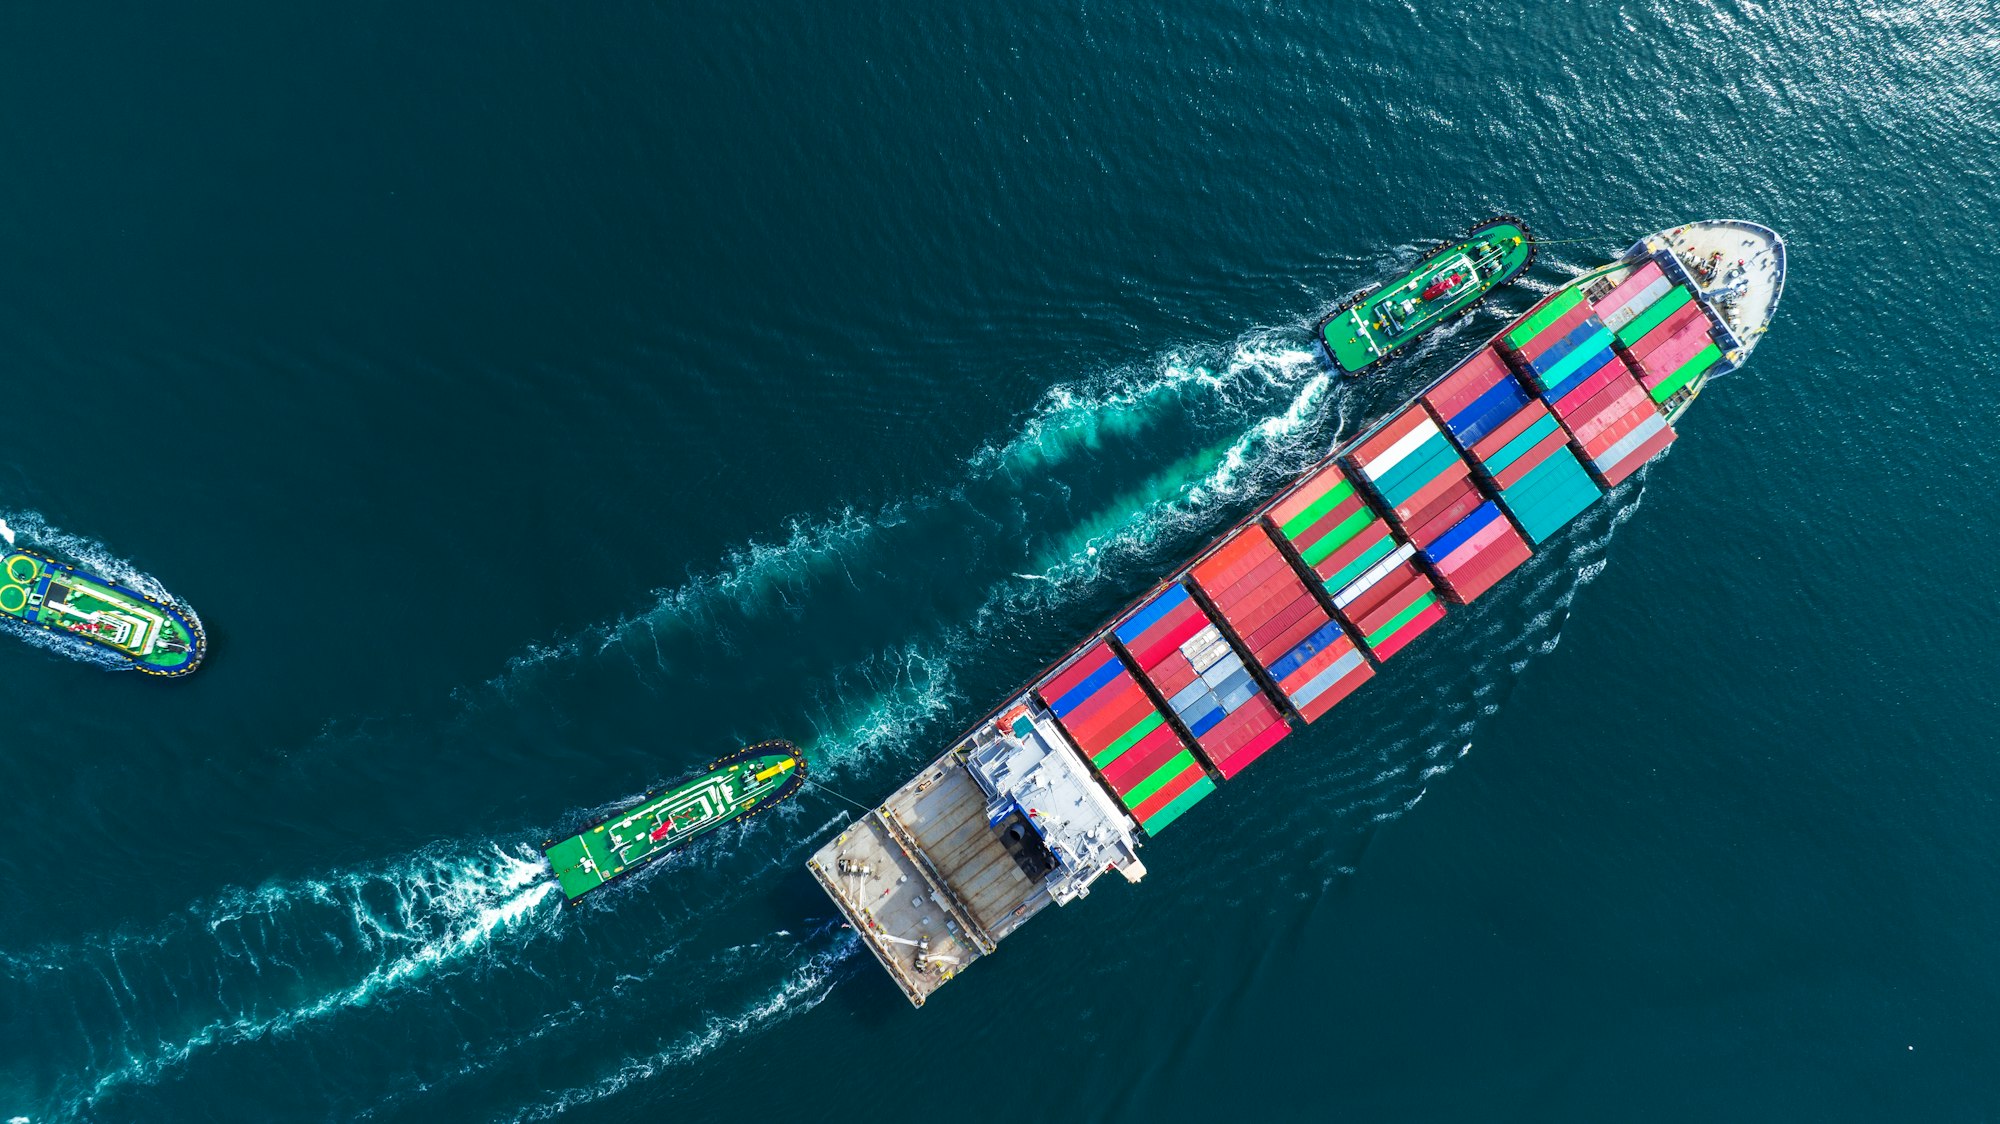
(1279, 621)
(1193, 666)
(1478, 400)
(1662, 329)
(1333, 528)
(1418, 473)
(1136, 750)
(1615, 422)
(1413, 468)
(1560, 346)
(1604, 408)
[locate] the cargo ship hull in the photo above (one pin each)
(150, 634)
(1300, 604)
(733, 788)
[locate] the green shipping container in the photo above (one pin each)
(1179, 804)
(1303, 521)
(1686, 372)
(1547, 315)
(1650, 319)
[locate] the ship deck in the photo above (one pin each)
(926, 867)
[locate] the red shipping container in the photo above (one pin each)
(1167, 794)
(1240, 545)
(1171, 676)
(1341, 513)
(1418, 624)
(1533, 459)
(1469, 553)
(1144, 758)
(1252, 580)
(1617, 431)
(1241, 757)
(1169, 643)
(1489, 446)
(1555, 333)
(1571, 403)
(1183, 622)
(1667, 358)
(1086, 666)
(1387, 609)
(1335, 692)
(1667, 329)
(1243, 726)
(1495, 563)
(1107, 696)
(1352, 549)
(1240, 556)
(1617, 473)
(1293, 637)
(1614, 388)
(1279, 622)
(1385, 587)
(1603, 405)
(1251, 609)
(1609, 413)
(1307, 493)
(1399, 427)
(1444, 513)
(1631, 287)
(1463, 386)
(1106, 723)
(1446, 480)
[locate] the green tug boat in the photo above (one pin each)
(1451, 279)
(736, 787)
(151, 634)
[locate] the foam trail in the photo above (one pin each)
(760, 577)
(88, 552)
(6, 532)
(1188, 496)
(906, 689)
(1123, 401)
(210, 976)
(805, 988)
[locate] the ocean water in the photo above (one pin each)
(536, 400)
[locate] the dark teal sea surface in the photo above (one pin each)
(537, 399)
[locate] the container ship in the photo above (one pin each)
(733, 788)
(1293, 609)
(155, 635)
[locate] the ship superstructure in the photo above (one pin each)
(1299, 605)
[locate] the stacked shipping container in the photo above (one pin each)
(1142, 759)
(1419, 475)
(1579, 358)
(1662, 329)
(1193, 666)
(1279, 620)
(1334, 530)
(1420, 478)
(1476, 400)
(1600, 403)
